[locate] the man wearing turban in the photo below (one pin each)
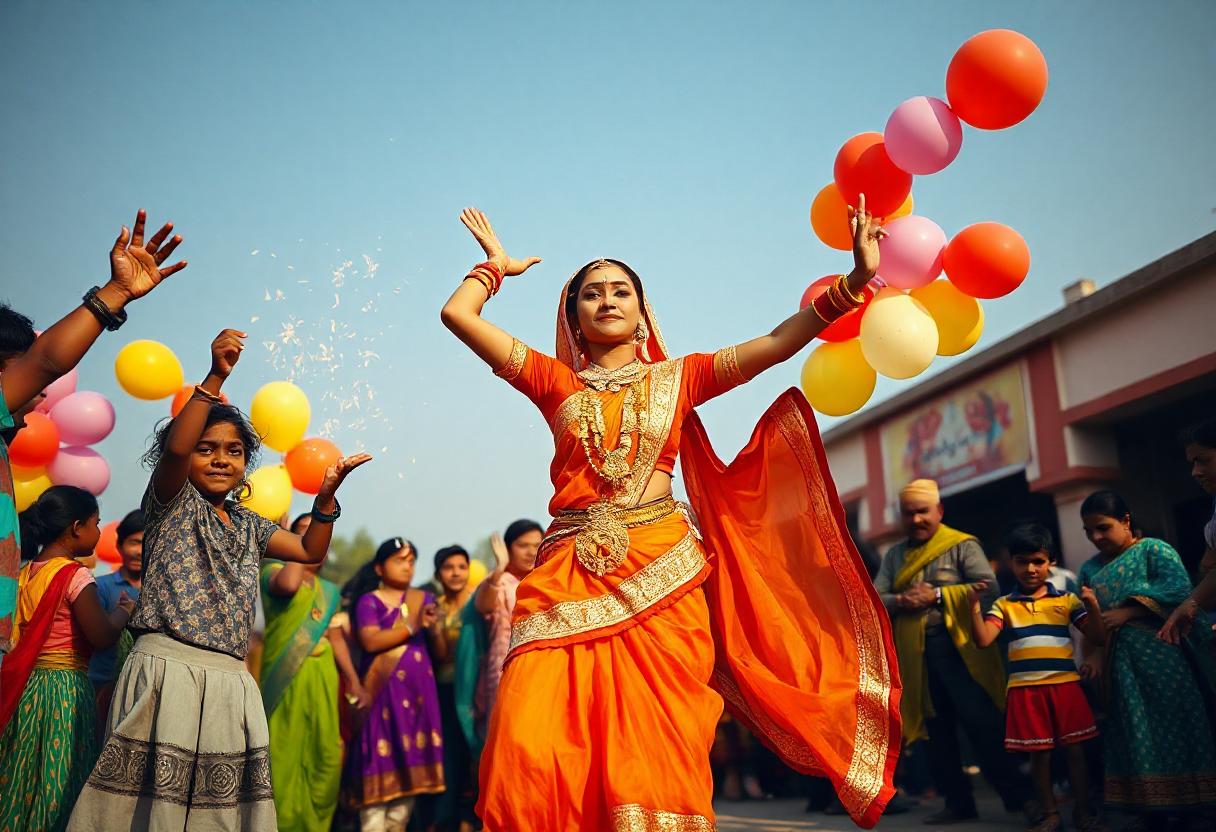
(948, 681)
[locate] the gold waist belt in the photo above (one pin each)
(602, 531)
(61, 660)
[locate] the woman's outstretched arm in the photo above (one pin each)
(795, 332)
(462, 313)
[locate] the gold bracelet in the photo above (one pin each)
(199, 390)
(843, 283)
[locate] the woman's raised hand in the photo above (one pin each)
(866, 234)
(479, 224)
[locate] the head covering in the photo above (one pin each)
(921, 490)
(652, 351)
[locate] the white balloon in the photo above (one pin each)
(898, 335)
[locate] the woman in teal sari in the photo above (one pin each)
(299, 682)
(1160, 743)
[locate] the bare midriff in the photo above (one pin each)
(658, 487)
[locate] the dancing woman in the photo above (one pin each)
(636, 624)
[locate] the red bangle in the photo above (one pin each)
(825, 308)
(493, 269)
(481, 278)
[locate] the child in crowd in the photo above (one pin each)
(1045, 707)
(187, 735)
(47, 716)
(110, 587)
(29, 364)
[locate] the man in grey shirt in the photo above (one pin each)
(956, 698)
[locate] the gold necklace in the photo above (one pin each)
(601, 379)
(614, 466)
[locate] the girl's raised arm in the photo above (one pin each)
(173, 466)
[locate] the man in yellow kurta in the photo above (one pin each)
(948, 681)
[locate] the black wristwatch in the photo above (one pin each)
(322, 517)
(109, 319)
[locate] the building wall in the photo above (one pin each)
(1151, 333)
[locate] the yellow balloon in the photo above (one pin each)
(280, 413)
(902, 211)
(898, 335)
(148, 370)
(836, 379)
(477, 573)
(269, 492)
(959, 317)
(28, 485)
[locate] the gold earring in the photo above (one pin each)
(642, 334)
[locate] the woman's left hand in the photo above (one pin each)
(866, 234)
(1116, 618)
(336, 473)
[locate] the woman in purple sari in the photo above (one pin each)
(400, 745)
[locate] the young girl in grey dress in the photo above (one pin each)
(186, 744)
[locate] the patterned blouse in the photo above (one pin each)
(200, 581)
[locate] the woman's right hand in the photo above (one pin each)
(126, 603)
(479, 224)
(1091, 668)
(1179, 623)
(501, 556)
(226, 351)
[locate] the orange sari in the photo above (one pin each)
(614, 683)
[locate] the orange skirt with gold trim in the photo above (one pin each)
(608, 734)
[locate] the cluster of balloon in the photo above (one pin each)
(929, 284)
(54, 446)
(280, 413)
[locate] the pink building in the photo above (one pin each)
(1092, 396)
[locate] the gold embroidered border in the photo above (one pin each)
(726, 366)
(660, 415)
(1151, 605)
(632, 817)
(515, 361)
(871, 740)
(635, 594)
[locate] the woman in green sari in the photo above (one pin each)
(1160, 743)
(299, 682)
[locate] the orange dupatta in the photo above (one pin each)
(805, 655)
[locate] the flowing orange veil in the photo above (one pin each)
(805, 654)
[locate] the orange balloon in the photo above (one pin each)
(36, 444)
(830, 218)
(182, 396)
(107, 546)
(845, 327)
(996, 79)
(863, 167)
(307, 461)
(987, 260)
(902, 211)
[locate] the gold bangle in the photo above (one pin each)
(843, 283)
(483, 280)
(199, 390)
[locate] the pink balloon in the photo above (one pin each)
(81, 467)
(58, 390)
(923, 135)
(83, 418)
(911, 256)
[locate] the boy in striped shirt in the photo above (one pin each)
(1045, 706)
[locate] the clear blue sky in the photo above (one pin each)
(686, 138)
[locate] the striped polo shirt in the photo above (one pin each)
(1040, 645)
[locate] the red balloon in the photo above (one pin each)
(987, 260)
(182, 396)
(863, 167)
(107, 546)
(996, 79)
(307, 461)
(36, 444)
(846, 327)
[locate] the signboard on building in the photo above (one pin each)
(978, 432)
